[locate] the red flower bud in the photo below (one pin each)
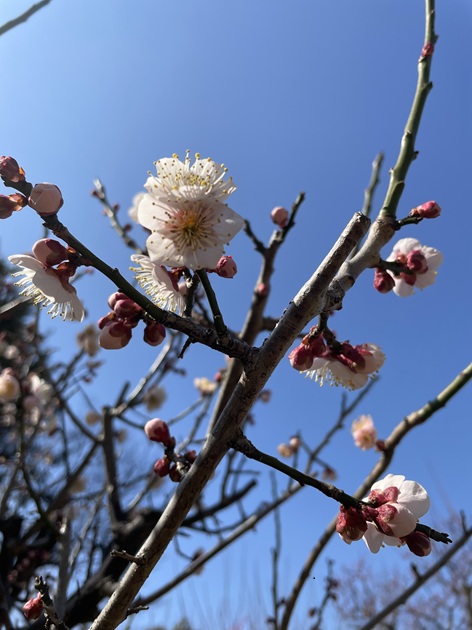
(301, 358)
(418, 543)
(351, 524)
(33, 608)
(154, 333)
(115, 297)
(162, 466)
(126, 308)
(383, 281)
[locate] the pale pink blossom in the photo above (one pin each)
(88, 340)
(47, 287)
(158, 284)
(364, 432)
(351, 368)
(408, 252)
(154, 397)
(397, 504)
(133, 210)
(186, 214)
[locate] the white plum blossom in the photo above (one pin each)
(46, 287)
(133, 210)
(421, 260)
(351, 370)
(185, 211)
(398, 504)
(158, 284)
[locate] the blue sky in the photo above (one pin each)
(290, 96)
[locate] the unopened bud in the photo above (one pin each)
(427, 50)
(157, 431)
(416, 261)
(262, 289)
(46, 199)
(428, 210)
(418, 543)
(114, 335)
(10, 170)
(33, 608)
(383, 281)
(126, 308)
(279, 216)
(301, 358)
(106, 319)
(226, 267)
(162, 466)
(10, 204)
(50, 252)
(154, 333)
(116, 297)
(351, 524)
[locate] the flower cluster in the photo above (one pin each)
(412, 265)
(339, 364)
(185, 211)
(173, 464)
(388, 516)
(46, 278)
(116, 327)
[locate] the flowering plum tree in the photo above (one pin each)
(82, 529)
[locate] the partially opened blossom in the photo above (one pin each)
(421, 261)
(186, 214)
(154, 397)
(158, 284)
(364, 433)
(351, 368)
(397, 504)
(48, 287)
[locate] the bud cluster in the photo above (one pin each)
(172, 463)
(116, 327)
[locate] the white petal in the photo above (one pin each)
(373, 538)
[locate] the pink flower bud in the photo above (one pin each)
(418, 543)
(301, 358)
(428, 210)
(427, 50)
(114, 335)
(50, 252)
(383, 281)
(416, 261)
(279, 216)
(106, 319)
(262, 289)
(10, 204)
(115, 297)
(33, 608)
(226, 267)
(10, 170)
(126, 308)
(46, 199)
(157, 431)
(154, 333)
(351, 524)
(162, 466)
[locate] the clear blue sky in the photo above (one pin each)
(290, 96)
